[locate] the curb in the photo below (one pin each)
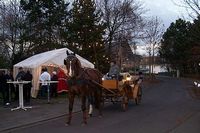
(37, 122)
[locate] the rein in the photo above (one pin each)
(81, 75)
(78, 80)
(81, 79)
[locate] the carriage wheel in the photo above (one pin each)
(125, 103)
(139, 96)
(112, 100)
(102, 101)
(125, 106)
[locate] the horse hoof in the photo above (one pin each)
(83, 124)
(67, 124)
(90, 115)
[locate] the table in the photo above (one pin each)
(21, 97)
(48, 89)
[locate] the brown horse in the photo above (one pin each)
(82, 82)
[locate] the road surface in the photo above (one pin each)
(166, 107)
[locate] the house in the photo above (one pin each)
(125, 57)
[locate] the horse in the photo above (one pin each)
(83, 82)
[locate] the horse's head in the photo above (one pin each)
(72, 64)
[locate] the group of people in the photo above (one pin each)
(26, 76)
(54, 88)
(9, 90)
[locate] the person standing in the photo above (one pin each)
(27, 87)
(45, 76)
(9, 87)
(54, 85)
(3, 88)
(62, 82)
(20, 76)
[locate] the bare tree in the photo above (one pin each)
(191, 6)
(121, 17)
(10, 15)
(152, 37)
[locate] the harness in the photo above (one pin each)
(78, 80)
(74, 81)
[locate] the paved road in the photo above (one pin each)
(167, 107)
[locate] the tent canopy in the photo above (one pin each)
(50, 58)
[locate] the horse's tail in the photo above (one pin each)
(95, 80)
(97, 94)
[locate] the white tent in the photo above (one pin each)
(50, 58)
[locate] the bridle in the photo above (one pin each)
(71, 59)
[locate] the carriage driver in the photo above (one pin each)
(114, 70)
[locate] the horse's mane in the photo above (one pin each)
(84, 73)
(77, 66)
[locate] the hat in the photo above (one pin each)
(54, 72)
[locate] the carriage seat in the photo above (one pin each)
(110, 84)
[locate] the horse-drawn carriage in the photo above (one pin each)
(88, 84)
(122, 90)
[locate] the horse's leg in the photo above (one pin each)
(91, 103)
(83, 107)
(90, 110)
(71, 103)
(99, 96)
(98, 101)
